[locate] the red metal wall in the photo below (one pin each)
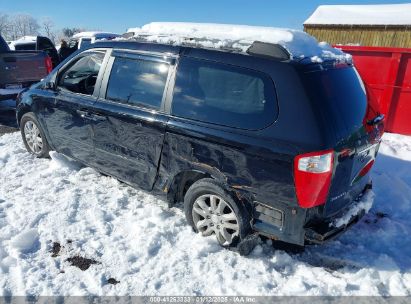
(387, 75)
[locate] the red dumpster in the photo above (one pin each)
(387, 75)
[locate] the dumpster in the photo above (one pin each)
(386, 73)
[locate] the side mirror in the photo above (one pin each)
(50, 85)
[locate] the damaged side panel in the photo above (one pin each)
(254, 169)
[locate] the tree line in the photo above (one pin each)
(13, 27)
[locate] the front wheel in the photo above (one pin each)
(210, 209)
(33, 137)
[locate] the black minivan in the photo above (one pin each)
(254, 143)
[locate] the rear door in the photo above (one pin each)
(339, 96)
(129, 131)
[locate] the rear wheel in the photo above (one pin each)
(211, 210)
(33, 136)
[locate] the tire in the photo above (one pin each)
(33, 136)
(210, 209)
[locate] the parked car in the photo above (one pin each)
(252, 142)
(84, 39)
(37, 43)
(20, 69)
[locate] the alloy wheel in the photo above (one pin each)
(33, 137)
(212, 214)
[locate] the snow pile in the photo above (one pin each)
(26, 241)
(364, 204)
(210, 35)
(383, 14)
(150, 250)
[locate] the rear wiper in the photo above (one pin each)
(376, 120)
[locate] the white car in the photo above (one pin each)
(83, 39)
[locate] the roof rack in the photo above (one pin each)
(269, 50)
(256, 48)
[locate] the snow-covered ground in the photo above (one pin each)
(148, 248)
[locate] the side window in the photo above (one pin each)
(137, 82)
(81, 76)
(85, 42)
(224, 94)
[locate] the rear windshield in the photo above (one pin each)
(25, 47)
(3, 45)
(340, 97)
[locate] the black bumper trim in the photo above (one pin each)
(319, 237)
(323, 232)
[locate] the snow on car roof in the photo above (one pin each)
(382, 14)
(298, 43)
(94, 35)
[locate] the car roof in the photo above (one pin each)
(137, 46)
(193, 50)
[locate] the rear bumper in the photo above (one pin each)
(322, 232)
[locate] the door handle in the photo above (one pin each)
(85, 114)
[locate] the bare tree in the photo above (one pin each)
(23, 25)
(48, 30)
(4, 24)
(69, 32)
(48, 25)
(16, 26)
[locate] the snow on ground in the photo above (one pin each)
(380, 14)
(298, 43)
(133, 238)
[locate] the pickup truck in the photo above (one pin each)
(20, 69)
(37, 43)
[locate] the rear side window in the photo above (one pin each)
(137, 82)
(25, 47)
(224, 95)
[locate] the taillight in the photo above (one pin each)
(49, 64)
(312, 177)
